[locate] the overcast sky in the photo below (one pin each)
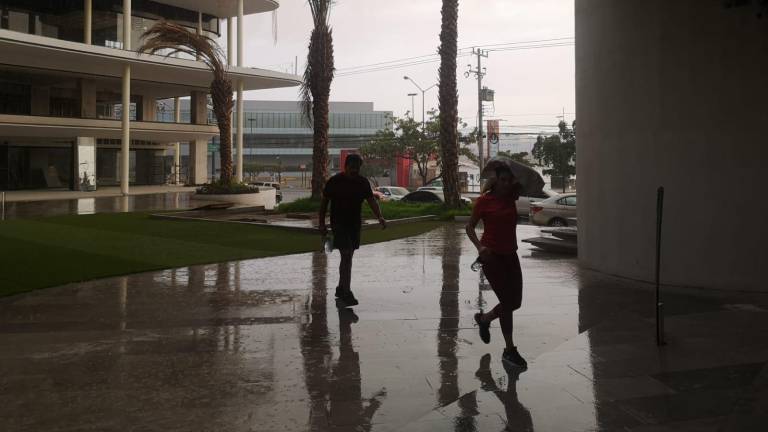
(532, 86)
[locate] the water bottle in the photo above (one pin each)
(328, 243)
(477, 265)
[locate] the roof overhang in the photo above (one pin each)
(224, 8)
(62, 127)
(47, 54)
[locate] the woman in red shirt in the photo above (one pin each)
(498, 255)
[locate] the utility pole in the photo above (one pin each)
(479, 73)
(413, 96)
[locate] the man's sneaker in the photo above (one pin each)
(485, 328)
(513, 358)
(347, 299)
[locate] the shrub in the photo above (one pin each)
(226, 188)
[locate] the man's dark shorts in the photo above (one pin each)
(346, 236)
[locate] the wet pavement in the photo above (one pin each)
(259, 345)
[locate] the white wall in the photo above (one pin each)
(674, 94)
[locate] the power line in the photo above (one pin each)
(431, 58)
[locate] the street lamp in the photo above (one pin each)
(423, 92)
(412, 95)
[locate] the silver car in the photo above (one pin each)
(523, 203)
(554, 211)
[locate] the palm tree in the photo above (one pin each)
(449, 103)
(316, 89)
(175, 38)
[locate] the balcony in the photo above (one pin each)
(43, 53)
(67, 127)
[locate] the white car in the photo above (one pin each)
(554, 211)
(393, 193)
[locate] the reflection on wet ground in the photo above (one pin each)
(81, 206)
(259, 345)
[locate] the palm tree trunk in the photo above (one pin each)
(321, 75)
(221, 93)
(449, 101)
(319, 146)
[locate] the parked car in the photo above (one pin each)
(393, 193)
(428, 196)
(554, 211)
(524, 202)
(276, 185)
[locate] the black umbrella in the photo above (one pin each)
(530, 180)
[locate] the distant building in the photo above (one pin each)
(277, 137)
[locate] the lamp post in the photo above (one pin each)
(423, 92)
(279, 170)
(413, 96)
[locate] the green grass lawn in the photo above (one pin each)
(45, 252)
(390, 209)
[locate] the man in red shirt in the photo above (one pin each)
(498, 255)
(346, 192)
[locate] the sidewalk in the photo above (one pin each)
(259, 345)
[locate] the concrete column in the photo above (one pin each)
(127, 24)
(198, 161)
(198, 107)
(87, 98)
(125, 157)
(240, 121)
(199, 28)
(177, 146)
(88, 21)
(230, 42)
(240, 33)
(148, 108)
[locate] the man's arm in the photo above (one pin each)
(321, 215)
(376, 211)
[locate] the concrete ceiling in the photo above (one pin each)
(224, 8)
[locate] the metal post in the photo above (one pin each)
(125, 157)
(480, 110)
(127, 11)
(659, 303)
(240, 33)
(88, 18)
(230, 42)
(177, 145)
(240, 121)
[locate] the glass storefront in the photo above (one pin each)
(36, 167)
(147, 166)
(64, 19)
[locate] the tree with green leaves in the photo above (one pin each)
(176, 38)
(316, 89)
(557, 153)
(449, 103)
(410, 140)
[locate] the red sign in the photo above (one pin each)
(493, 138)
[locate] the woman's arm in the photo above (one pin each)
(472, 234)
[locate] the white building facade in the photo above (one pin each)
(68, 69)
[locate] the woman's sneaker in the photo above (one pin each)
(513, 358)
(485, 328)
